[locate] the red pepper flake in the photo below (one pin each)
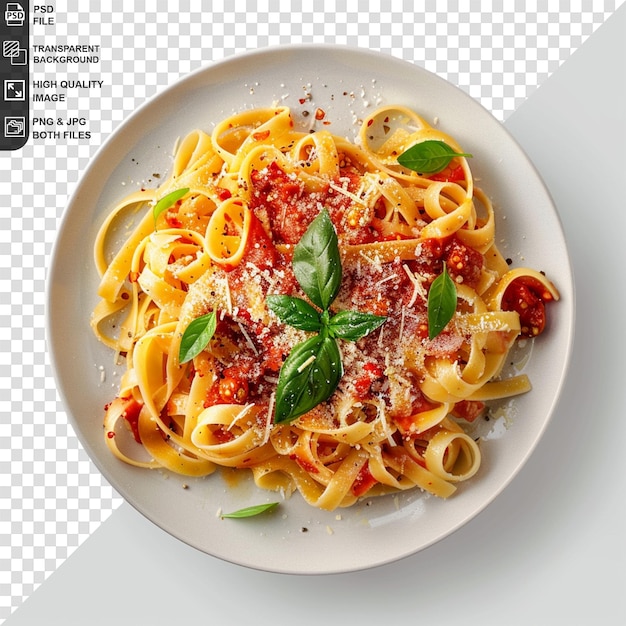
(110, 434)
(261, 136)
(320, 114)
(370, 122)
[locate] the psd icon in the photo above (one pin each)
(14, 14)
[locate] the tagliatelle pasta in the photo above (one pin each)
(399, 415)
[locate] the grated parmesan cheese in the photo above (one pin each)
(306, 364)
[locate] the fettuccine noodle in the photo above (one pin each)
(397, 420)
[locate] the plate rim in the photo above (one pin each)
(238, 58)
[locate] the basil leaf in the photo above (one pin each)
(167, 201)
(250, 511)
(317, 263)
(196, 337)
(429, 157)
(295, 312)
(307, 378)
(441, 303)
(353, 325)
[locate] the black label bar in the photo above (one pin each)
(14, 74)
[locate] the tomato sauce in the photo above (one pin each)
(464, 264)
(291, 209)
(253, 351)
(131, 411)
(282, 211)
(363, 482)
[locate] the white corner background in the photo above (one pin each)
(51, 497)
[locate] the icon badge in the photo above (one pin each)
(12, 49)
(14, 15)
(14, 126)
(14, 90)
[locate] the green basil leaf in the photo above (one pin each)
(295, 312)
(251, 511)
(353, 325)
(307, 378)
(429, 157)
(196, 337)
(441, 304)
(167, 201)
(317, 263)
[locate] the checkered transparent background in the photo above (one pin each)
(51, 496)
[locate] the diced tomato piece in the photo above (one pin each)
(233, 389)
(371, 372)
(468, 410)
(449, 174)
(528, 297)
(463, 263)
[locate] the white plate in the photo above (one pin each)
(345, 83)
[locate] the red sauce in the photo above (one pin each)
(290, 208)
(281, 196)
(251, 353)
(363, 482)
(307, 466)
(407, 423)
(283, 209)
(221, 435)
(130, 413)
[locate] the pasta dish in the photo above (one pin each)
(330, 315)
